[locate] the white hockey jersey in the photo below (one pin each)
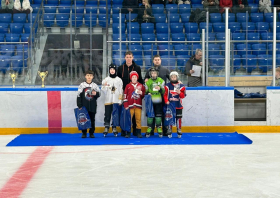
(113, 90)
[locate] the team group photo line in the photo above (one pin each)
(124, 90)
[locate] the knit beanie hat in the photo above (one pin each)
(134, 73)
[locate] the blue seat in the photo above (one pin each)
(116, 18)
(131, 16)
(211, 36)
(277, 27)
(103, 9)
(138, 60)
(134, 37)
(267, 36)
(184, 8)
(197, 6)
(202, 25)
(19, 18)
(148, 37)
(136, 49)
(249, 62)
(64, 9)
(147, 49)
(268, 17)
(270, 48)
(181, 62)
(35, 8)
(168, 61)
(38, 1)
(116, 28)
(92, 9)
(176, 28)
(160, 18)
(5, 18)
(215, 17)
(78, 9)
(158, 8)
(2, 36)
(118, 60)
(16, 28)
(242, 49)
(165, 49)
(174, 18)
(250, 26)
(77, 21)
(8, 50)
(62, 20)
(253, 36)
(93, 20)
(234, 27)
(49, 20)
(220, 36)
(116, 49)
(102, 20)
(214, 49)
(33, 16)
(265, 62)
(117, 2)
(196, 2)
(52, 2)
(5, 62)
(216, 62)
(193, 37)
(50, 9)
(116, 8)
(148, 61)
(254, 8)
(80, 2)
(162, 37)
(251, 1)
(92, 2)
(193, 47)
(242, 17)
(178, 37)
(18, 63)
(236, 62)
(22, 50)
(103, 2)
(191, 27)
(231, 17)
(26, 27)
(262, 27)
(65, 2)
(25, 37)
(116, 37)
(238, 36)
(185, 18)
(162, 28)
(171, 8)
(257, 17)
(133, 28)
(181, 50)
(219, 27)
(147, 28)
(258, 49)
(12, 37)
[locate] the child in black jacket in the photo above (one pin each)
(88, 92)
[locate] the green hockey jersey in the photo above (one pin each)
(150, 88)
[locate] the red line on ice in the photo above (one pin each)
(18, 182)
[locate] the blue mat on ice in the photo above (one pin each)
(64, 139)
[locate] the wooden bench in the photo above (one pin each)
(241, 81)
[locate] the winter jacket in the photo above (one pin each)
(9, 6)
(235, 2)
(156, 94)
(265, 6)
(130, 4)
(141, 13)
(172, 96)
(25, 5)
(225, 3)
(85, 98)
(163, 73)
(113, 90)
(131, 98)
(124, 71)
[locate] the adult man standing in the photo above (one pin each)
(164, 74)
(194, 81)
(277, 77)
(124, 73)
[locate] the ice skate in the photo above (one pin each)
(179, 132)
(148, 133)
(115, 132)
(159, 130)
(105, 133)
(169, 132)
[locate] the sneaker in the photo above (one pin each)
(84, 135)
(128, 134)
(92, 135)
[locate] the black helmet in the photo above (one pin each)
(153, 69)
(112, 66)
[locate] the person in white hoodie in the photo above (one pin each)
(112, 86)
(22, 6)
(265, 6)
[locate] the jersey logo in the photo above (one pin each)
(82, 118)
(88, 93)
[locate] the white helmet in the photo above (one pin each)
(174, 73)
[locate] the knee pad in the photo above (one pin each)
(150, 121)
(158, 121)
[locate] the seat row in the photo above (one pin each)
(16, 28)
(9, 37)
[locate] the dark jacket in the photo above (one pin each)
(192, 61)
(130, 4)
(124, 71)
(163, 73)
(141, 13)
(235, 2)
(276, 3)
(85, 98)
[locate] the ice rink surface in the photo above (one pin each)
(219, 171)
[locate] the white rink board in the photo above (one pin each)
(273, 107)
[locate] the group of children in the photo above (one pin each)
(112, 86)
